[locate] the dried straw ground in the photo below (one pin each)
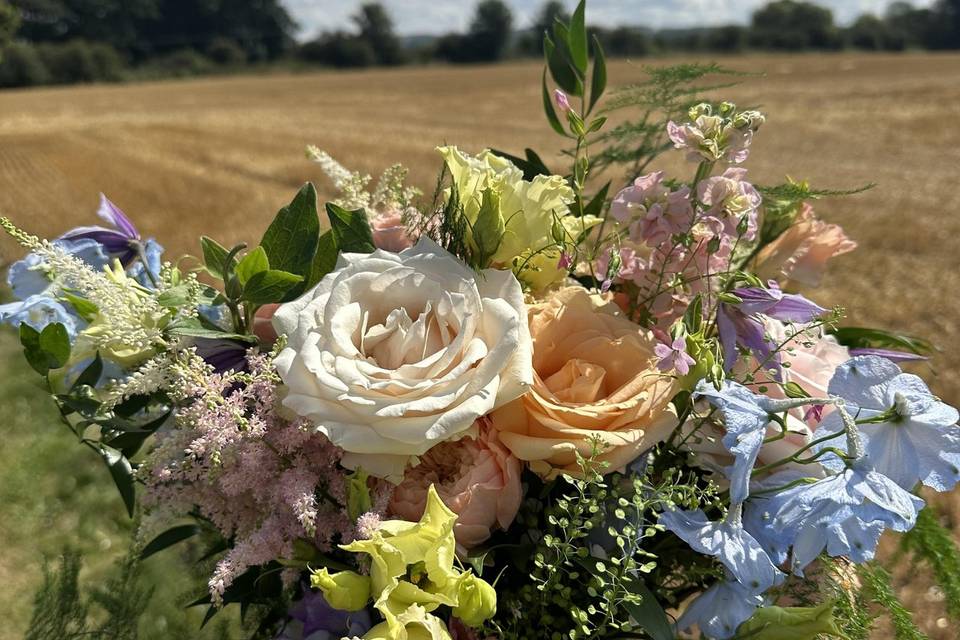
(220, 156)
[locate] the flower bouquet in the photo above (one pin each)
(520, 409)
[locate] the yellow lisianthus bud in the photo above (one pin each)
(344, 590)
(477, 600)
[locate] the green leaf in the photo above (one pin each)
(291, 240)
(254, 262)
(174, 297)
(791, 623)
(649, 614)
(351, 230)
(196, 328)
(84, 308)
(561, 69)
(866, 338)
(578, 38)
(598, 82)
(90, 375)
(324, 261)
(169, 538)
(549, 110)
(36, 358)
(531, 165)
(55, 342)
(272, 285)
(214, 256)
(122, 474)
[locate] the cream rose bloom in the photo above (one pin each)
(392, 353)
(594, 377)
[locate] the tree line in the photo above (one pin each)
(67, 41)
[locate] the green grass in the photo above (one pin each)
(56, 495)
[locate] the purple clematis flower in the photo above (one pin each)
(312, 618)
(741, 324)
(120, 242)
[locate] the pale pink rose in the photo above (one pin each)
(478, 479)
(389, 231)
(802, 251)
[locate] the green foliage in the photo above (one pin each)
(61, 612)
(487, 40)
(290, 241)
(877, 583)
(667, 94)
(350, 229)
(868, 338)
(792, 623)
(934, 544)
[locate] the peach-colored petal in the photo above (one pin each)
(595, 380)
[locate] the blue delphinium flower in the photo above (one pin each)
(746, 417)
(728, 542)
(908, 434)
(719, 610)
(741, 323)
(38, 311)
(767, 496)
(844, 514)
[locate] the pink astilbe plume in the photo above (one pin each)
(253, 474)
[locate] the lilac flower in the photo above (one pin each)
(727, 541)
(674, 356)
(314, 619)
(563, 103)
(746, 416)
(908, 434)
(38, 311)
(741, 323)
(844, 514)
(719, 610)
(120, 242)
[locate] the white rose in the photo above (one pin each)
(391, 354)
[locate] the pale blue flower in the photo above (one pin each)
(908, 434)
(38, 311)
(746, 416)
(844, 514)
(153, 253)
(28, 276)
(729, 543)
(759, 512)
(719, 610)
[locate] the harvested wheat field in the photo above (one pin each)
(220, 156)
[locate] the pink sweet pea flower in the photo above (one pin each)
(563, 103)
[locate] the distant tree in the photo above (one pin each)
(226, 52)
(339, 49)
(913, 26)
(871, 33)
(489, 32)
(726, 39)
(945, 33)
(531, 42)
(9, 23)
(624, 42)
(377, 29)
(794, 25)
(22, 66)
(115, 22)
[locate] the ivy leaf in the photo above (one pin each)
(55, 343)
(324, 261)
(169, 538)
(197, 328)
(36, 358)
(254, 262)
(122, 474)
(272, 285)
(214, 256)
(290, 241)
(351, 230)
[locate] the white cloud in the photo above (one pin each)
(413, 17)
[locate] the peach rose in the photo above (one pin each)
(478, 479)
(263, 324)
(801, 253)
(594, 377)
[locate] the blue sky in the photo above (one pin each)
(414, 17)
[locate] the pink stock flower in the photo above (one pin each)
(652, 210)
(477, 478)
(389, 231)
(674, 356)
(802, 251)
(731, 198)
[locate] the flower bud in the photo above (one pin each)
(477, 600)
(344, 590)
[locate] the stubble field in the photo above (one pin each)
(220, 156)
